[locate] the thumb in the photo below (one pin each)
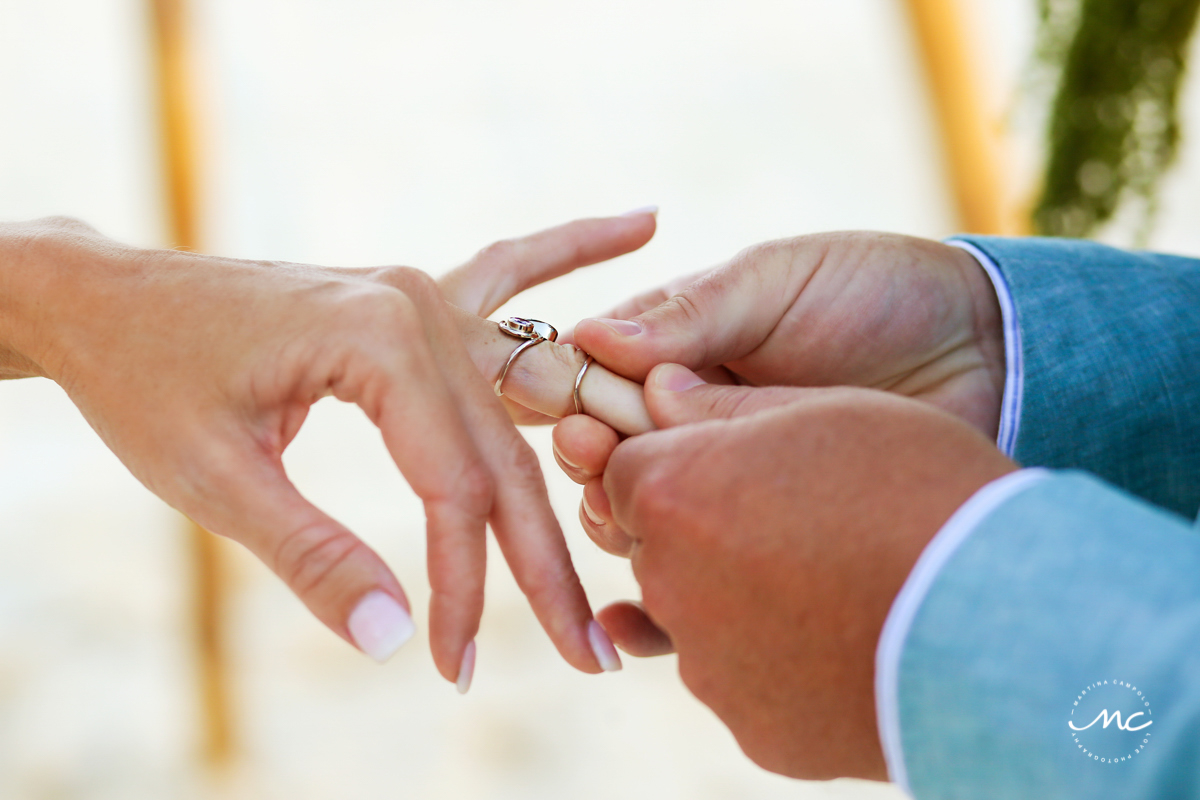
(718, 318)
(677, 396)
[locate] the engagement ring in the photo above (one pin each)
(533, 331)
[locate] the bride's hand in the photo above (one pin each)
(198, 372)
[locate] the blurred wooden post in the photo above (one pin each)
(177, 122)
(970, 139)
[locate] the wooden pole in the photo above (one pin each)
(178, 130)
(970, 137)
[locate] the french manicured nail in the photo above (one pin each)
(380, 626)
(602, 647)
(467, 671)
(623, 327)
(566, 460)
(639, 211)
(590, 512)
(675, 378)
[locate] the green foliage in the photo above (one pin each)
(1113, 127)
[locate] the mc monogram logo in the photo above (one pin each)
(1109, 721)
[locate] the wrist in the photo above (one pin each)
(23, 299)
(45, 268)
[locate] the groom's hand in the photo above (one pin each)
(770, 530)
(908, 315)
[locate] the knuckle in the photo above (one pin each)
(413, 282)
(522, 464)
(473, 490)
(657, 500)
(757, 262)
(686, 312)
(50, 232)
(760, 251)
(396, 303)
(763, 253)
(308, 557)
(514, 464)
(462, 589)
(65, 223)
(546, 587)
(499, 252)
(385, 311)
(733, 403)
(686, 305)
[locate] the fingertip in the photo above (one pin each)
(673, 378)
(596, 506)
(595, 517)
(451, 656)
(466, 671)
(621, 345)
(582, 446)
(632, 630)
(379, 625)
(623, 328)
(669, 399)
(602, 647)
(644, 222)
(457, 565)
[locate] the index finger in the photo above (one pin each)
(504, 269)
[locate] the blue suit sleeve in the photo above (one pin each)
(1070, 598)
(1111, 359)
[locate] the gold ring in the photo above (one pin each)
(587, 362)
(533, 331)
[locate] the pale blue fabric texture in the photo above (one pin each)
(1111, 351)
(1073, 581)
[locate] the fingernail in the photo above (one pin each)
(565, 460)
(590, 513)
(467, 670)
(603, 648)
(380, 626)
(675, 378)
(640, 211)
(623, 327)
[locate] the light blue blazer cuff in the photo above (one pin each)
(1111, 354)
(1070, 598)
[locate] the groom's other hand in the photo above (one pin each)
(770, 530)
(912, 316)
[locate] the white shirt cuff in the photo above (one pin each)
(953, 533)
(1014, 379)
(912, 595)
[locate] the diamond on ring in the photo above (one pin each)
(533, 331)
(523, 328)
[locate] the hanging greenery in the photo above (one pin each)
(1113, 127)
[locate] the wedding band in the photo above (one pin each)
(587, 362)
(533, 331)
